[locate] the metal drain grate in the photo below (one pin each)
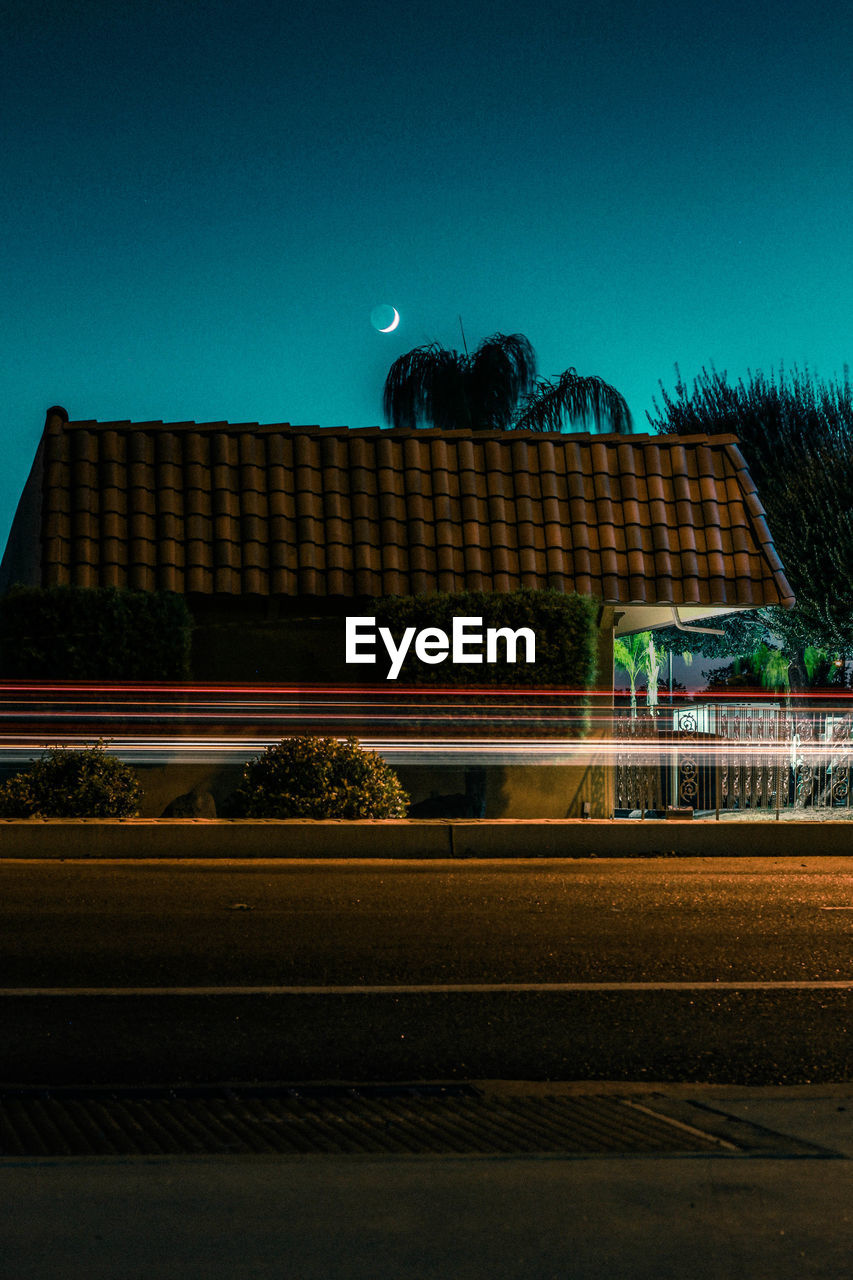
(342, 1120)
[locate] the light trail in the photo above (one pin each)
(227, 723)
(157, 723)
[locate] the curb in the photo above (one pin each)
(402, 838)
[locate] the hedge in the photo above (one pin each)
(565, 626)
(100, 633)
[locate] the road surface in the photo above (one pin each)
(644, 969)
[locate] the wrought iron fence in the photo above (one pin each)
(729, 756)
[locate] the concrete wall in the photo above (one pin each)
(268, 640)
(512, 791)
(257, 640)
(519, 791)
(128, 838)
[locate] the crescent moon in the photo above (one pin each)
(393, 325)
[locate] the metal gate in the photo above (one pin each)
(714, 757)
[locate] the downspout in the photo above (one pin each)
(706, 631)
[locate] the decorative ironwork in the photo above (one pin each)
(802, 766)
(637, 770)
(688, 768)
(839, 793)
(764, 758)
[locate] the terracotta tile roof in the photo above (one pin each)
(216, 507)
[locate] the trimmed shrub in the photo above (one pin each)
(97, 633)
(565, 626)
(306, 777)
(72, 784)
(566, 630)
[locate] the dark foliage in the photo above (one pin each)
(495, 389)
(72, 784)
(452, 390)
(565, 627)
(79, 633)
(576, 400)
(736, 675)
(742, 635)
(796, 435)
(307, 777)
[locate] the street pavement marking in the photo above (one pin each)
(478, 988)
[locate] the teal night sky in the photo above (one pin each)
(203, 201)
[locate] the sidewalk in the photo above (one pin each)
(709, 1217)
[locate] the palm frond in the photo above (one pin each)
(426, 385)
(499, 374)
(447, 400)
(576, 401)
(631, 652)
(483, 391)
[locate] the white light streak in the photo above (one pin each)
(156, 724)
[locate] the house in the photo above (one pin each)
(276, 533)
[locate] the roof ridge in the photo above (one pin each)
(402, 433)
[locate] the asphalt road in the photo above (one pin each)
(272, 923)
(658, 969)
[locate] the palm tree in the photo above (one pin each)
(632, 655)
(652, 669)
(495, 389)
(574, 399)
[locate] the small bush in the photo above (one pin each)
(72, 784)
(308, 777)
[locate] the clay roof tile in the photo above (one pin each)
(214, 507)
